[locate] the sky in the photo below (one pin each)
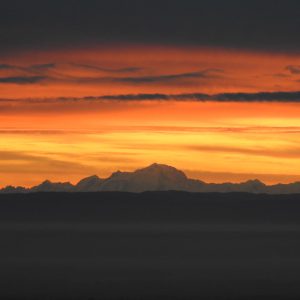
(91, 87)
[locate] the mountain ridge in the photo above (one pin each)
(155, 177)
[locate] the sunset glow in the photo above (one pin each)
(56, 123)
(46, 136)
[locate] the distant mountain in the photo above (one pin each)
(89, 184)
(292, 188)
(153, 178)
(156, 177)
(48, 186)
(13, 190)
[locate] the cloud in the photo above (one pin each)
(133, 97)
(14, 155)
(221, 97)
(201, 97)
(18, 68)
(288, 153)
(42, 66)
(293, 69)
(168, 78)
(109, 70)
(42, 69)
(281, 75)
(22, 79)
(36, 69)
(36, 132)
(34, 164)
(171, 77)
(6, 67)
(261, 96)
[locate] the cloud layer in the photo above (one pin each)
(93, 74)
(222, 97)
(22, 79)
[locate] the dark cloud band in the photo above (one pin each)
(200, 97)
(222, 97)
(22, 79)
(293, 69)
(41, 72)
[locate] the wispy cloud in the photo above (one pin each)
(52, 65)
(292, 153)
(294, 69)
(37, 69)
(197, 97)
(109, 70)
(209, 73)
(141, 79)
(52, 72)
(42, 66)
(221, 97)
(7, 67)
(22, 79)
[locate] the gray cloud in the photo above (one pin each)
(163, 79)
(293, 69)
(172, 77)
(109, 70)
(167, 79)
(14, 67)
(6, 67)
(201, 97)
(222, 97)
(261, 96)
(22, 79)
(134, 97)
(32, 69)
(41, 70)
(42, 66)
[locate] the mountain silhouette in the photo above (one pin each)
(89, 184)
(48, 186)
(156, 177)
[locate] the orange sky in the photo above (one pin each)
(228, 71)
(42, 136)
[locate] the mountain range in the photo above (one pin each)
(156, 177)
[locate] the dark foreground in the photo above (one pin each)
(149, 246)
